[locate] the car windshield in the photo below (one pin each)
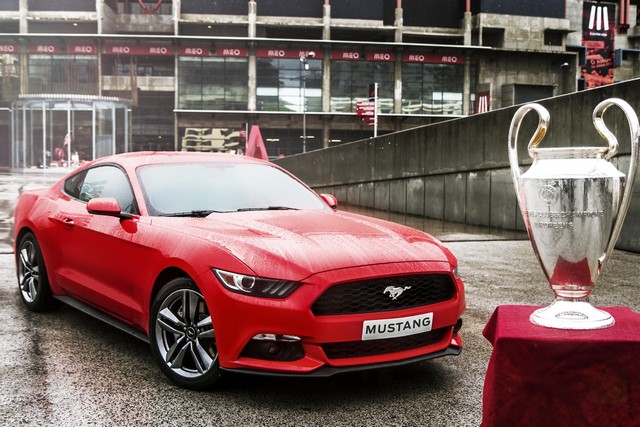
(199, 189)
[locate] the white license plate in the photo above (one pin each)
(398, 327)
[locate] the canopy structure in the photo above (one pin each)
(65, 130)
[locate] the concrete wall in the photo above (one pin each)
(458, 170)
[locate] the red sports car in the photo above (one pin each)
(227, 263)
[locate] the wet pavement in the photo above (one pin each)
(66, 369)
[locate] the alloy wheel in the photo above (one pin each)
(28, 271)
(184, 334)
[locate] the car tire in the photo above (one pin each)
(33, 281)
(182, 336)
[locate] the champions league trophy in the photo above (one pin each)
(573, 201)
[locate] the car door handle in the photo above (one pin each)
(68, 222)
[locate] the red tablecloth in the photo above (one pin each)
(549, 377)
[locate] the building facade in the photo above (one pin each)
(198, 73)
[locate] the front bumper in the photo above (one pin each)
(328, 370)
(328, 341)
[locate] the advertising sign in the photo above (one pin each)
(598, 31)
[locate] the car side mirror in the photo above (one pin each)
(330, 200)
(107, 206)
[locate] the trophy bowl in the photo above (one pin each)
(573, 202)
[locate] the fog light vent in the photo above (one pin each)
(283, 348)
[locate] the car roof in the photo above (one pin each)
(135, 159)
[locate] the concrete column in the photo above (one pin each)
(466, 85)
(24, 67)
(176, 17)
(397, 90)
(326, 22)
(252, 78)
(399, 25)
(23, 8)
(253, 13)
(326, 132)
(99, 15)
(467, 28)
(252, 82)
(326, 79)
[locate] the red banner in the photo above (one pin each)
(138, 50)
(9, 48)
(432, 58)
(286, 53)
(346, 55)
(194, 51)
(82, 49)
(381, 56)
(44, 48)
(232, 51)
(482, 102)
(598, 32)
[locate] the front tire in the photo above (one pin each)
(182, 336)
(32, 275)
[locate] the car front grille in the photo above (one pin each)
(375, 295)
(341, 350)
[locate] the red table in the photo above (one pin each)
(549, 377)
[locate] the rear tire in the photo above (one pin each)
(182, 337)
(33, 281)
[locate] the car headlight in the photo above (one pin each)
(256, 286)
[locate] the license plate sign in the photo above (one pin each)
(398, 327)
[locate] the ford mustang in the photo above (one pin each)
(227, 263)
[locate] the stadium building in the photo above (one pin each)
(106, 76)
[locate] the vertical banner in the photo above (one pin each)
(482, 100)
(598, 32)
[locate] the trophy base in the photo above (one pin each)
(577, 315)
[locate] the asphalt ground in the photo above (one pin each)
(64, 368)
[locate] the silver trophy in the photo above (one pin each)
(573, 201)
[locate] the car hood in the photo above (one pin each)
(296, 244)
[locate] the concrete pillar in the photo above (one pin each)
(398, 24)
(397, 90)
(326, 79)
(326, 22)
(326, 132)
(24, 67)
(252, 81)
(253, 13)
(23, 8)
(176, 17)
(99, 15)
(466, 85)
(252, 64)
(467, 28)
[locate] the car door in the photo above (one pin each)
(96, 249)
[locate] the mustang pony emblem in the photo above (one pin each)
(394, 292)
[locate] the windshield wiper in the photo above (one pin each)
(268, 208)
(195, 213)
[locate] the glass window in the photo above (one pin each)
(350, 82)
(213, 83)
(283, 83)
(102, 181)
(63, 74)
(196, 189)
(432, 89)
(144, 7)
(9, 78)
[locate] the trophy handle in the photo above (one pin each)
(538, 135)
(634, 130)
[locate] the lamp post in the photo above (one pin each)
(304, 59)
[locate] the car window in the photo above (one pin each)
(184, 188)
(102, 181)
